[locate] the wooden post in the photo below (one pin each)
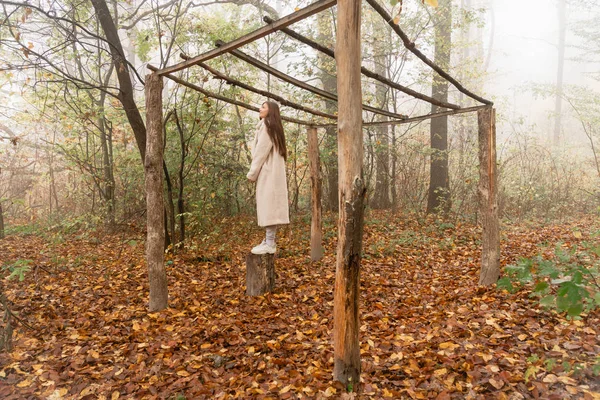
(260, 274)
(1, 216)
(1, 221)
(316, 226)
(155, 242)
(352, 191)
(488, 197)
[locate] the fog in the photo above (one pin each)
(524, 52)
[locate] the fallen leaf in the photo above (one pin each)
(496, 383)
(567, 380)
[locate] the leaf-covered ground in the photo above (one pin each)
(428, 331)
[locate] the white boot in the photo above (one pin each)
(263, 248)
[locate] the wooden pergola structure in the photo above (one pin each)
(350, 157)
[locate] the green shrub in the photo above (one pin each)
(18, 268)
(569, 282)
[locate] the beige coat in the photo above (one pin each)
(268, 170)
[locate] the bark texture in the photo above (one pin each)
(381, 195)
(155, 242)
(352, 191)
(488, 197)
(316, 224)
(438, 198)
(125, 85)
(260, 274)
(328, 81)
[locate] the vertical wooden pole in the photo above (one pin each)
(488, 197)
(352, 191)
(316, 226)
(155, 241)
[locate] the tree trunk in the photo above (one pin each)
(328, 80)
(170, 215)
(352, 191)
(108, 178)
(260, 274)
(1, 217)
(125, 85)
(394, 170)
(155, 242)
(316, 226)
(438, 199)
(488, 197)
(169, 212)
(51, 185)
(381, 195)
(166, 226)
(1, 221)
(394, 151)
(180, 203)
(562, 30)
(296, 182)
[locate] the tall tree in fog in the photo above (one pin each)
(381, 195)
(326, 66)
(438, 198)
(562, 30)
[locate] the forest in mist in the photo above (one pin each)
(69, 153)
(76, 238)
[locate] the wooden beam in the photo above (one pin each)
(488, 197)
(412, 119)
(411, 47)
(310, 123)
(284, 77)
(226, 99)
(316, 225)
(365, 71)
(155, 242)
(265, 93)
(426, 117)
(252, 36)
(352, 193)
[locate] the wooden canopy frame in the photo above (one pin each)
(351, 183)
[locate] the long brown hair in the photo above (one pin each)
(275, 128)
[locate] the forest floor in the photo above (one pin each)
(428, 330)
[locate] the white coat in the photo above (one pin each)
(268, 170)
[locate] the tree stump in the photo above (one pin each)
(260, 274)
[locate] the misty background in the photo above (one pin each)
(511, 58)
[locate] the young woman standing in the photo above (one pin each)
(269, 154)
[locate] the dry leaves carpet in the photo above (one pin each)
(428, 331)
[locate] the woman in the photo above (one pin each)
(268, 171)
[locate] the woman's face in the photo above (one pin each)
(264, 111)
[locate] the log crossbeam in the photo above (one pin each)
(298, 83)
(299, 15)
(216, 96)
(264, 93)
(366, 72)
(283, 25)
(412, 48)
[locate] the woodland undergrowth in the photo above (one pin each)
(82, 329)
